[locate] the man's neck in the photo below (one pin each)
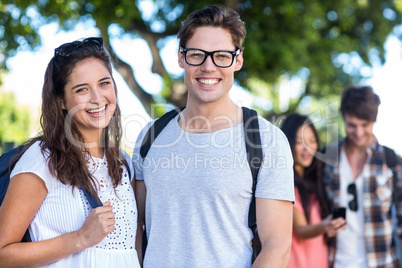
(356, 157)
(210, 117)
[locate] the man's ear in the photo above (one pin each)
(180, 59)
(239, 61)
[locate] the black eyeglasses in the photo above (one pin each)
(66, 49)
(221, 58)
(353, 191)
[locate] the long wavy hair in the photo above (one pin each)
(61, 142)
(311, 181)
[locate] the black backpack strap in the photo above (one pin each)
(156, 129)
(390, 159)
(254, 158)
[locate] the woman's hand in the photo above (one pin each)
(333, 226)
(99, 223)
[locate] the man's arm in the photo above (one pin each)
(140, 195)
(274, 223)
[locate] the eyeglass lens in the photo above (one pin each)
(353, 191)
(219, 58)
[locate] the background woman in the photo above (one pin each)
(79, 148)
(311, 219)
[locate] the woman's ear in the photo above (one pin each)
(61, 103)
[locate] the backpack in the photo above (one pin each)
(254, 158)
(390, 159)
(6, 169)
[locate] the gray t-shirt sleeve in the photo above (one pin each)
(275, 178)
(129, 163)
(136, 159)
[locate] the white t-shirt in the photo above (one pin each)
(199, 188)
(351, 248)
(64, 211)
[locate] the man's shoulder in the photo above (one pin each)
(391, 156)
(144, 130)
(330, 154)
(269, 130)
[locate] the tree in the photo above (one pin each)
(286, 38)
(15, 121)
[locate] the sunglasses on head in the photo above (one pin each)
(66, 49)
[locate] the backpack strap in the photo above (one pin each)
(93, 201)
(390, 159)
(156, 129)
(254, 158)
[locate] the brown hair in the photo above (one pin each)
(66, 160)
(360, 101)
(215, 16)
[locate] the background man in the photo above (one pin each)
(362, 182)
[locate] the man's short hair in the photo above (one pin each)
(361, 102)
(214, 16)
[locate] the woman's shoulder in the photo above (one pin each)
(33, 160)
(271, 134)
(34, 152)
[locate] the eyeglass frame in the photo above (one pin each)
(211, 53)
(352, 189)
(65, 50)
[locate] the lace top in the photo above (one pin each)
(64, 210)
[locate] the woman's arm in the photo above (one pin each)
(24, 197)
(307, 231)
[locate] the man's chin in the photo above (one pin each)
(359, 143)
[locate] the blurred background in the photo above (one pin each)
(299, 55)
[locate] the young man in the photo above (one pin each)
(194, 187)
(363, 183)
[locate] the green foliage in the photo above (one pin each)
(15, 121)
(284, 36)
(18, 30)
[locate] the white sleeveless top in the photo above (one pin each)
(64, 211)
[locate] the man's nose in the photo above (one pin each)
(208, 64)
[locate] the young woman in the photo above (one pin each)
(311, 219)
(79, 149)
